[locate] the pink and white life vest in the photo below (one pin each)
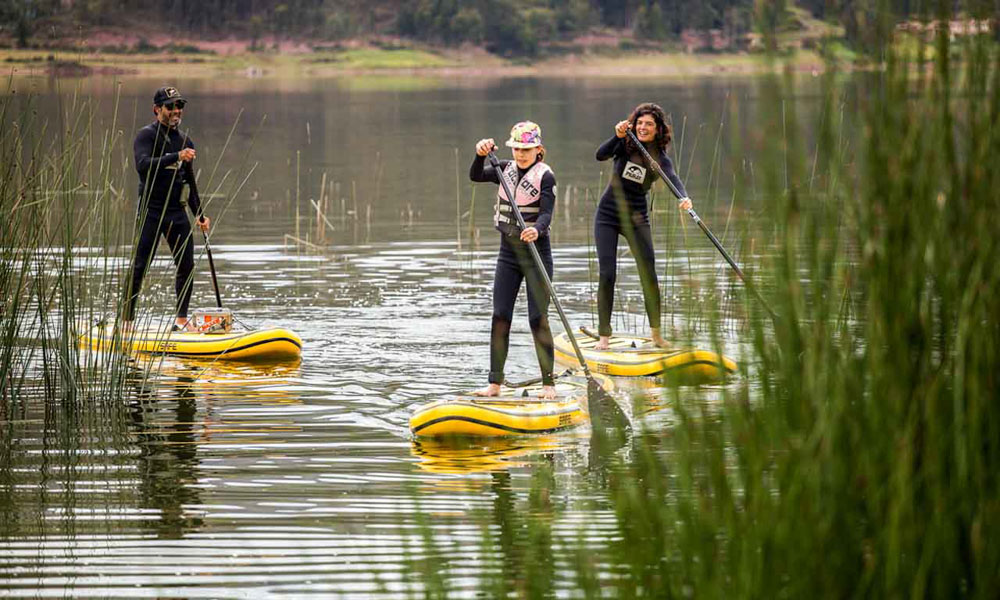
(527, 193)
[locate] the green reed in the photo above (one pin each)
(45, 169)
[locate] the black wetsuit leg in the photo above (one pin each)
(640, 240)
(514, 263)
(145, 249)
(606, 238)
(506, 283)
(538, 305)
(178, 234)
(174, 226)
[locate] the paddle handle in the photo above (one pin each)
(701, 224)
(495, 163)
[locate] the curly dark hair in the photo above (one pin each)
(663, 132)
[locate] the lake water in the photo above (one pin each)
(218, 481)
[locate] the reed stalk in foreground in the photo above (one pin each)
(862, 457)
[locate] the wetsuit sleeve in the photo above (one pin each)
(668, 167)
(609, 148)
(547, 203)
(142, 147)
(480, 172)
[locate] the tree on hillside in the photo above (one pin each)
(770, 15)
(573, 16)
(618, 13)
(820, 9)
(649, 23)
(507, 30)
(868, 24)
(21, 16)
(442, 21)
(663, 19)
(509, 27)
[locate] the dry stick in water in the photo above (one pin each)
(472, 214)
(320, 232)
(322, 217)
(590, 264)
(299, 241)
(297, 157)
(458, 204)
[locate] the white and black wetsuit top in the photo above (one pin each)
(633, 177)
(537, 212)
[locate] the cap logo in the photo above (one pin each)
(171, 92)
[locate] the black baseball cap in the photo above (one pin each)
(167, 94)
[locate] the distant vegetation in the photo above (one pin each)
(506, 27)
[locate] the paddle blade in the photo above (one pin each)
(604, 411)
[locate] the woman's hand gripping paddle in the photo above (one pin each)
(732, 263)
(602, 407)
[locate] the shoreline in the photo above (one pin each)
(396, 61)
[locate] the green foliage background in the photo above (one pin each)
(507, 27)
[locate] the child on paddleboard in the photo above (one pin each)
(622, 211)
(534, 188)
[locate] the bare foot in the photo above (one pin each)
(183, 326)
(658, 340)
(548, 392)
(490, 391)
(604, 343)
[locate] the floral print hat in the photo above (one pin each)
(525, 135)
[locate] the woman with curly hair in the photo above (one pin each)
(623, 211)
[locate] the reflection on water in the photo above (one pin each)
(226, 480)
(486, 455)
(167, 455)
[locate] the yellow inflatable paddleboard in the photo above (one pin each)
(517, 411)
(272, 345)
(632, 356)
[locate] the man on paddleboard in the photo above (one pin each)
(163, 158)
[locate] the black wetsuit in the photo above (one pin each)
(623, 211)
(514, 264)
(162, 176)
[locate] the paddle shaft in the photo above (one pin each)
(533, 380)
(495, 163)
(708, 232)
(208, 247)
